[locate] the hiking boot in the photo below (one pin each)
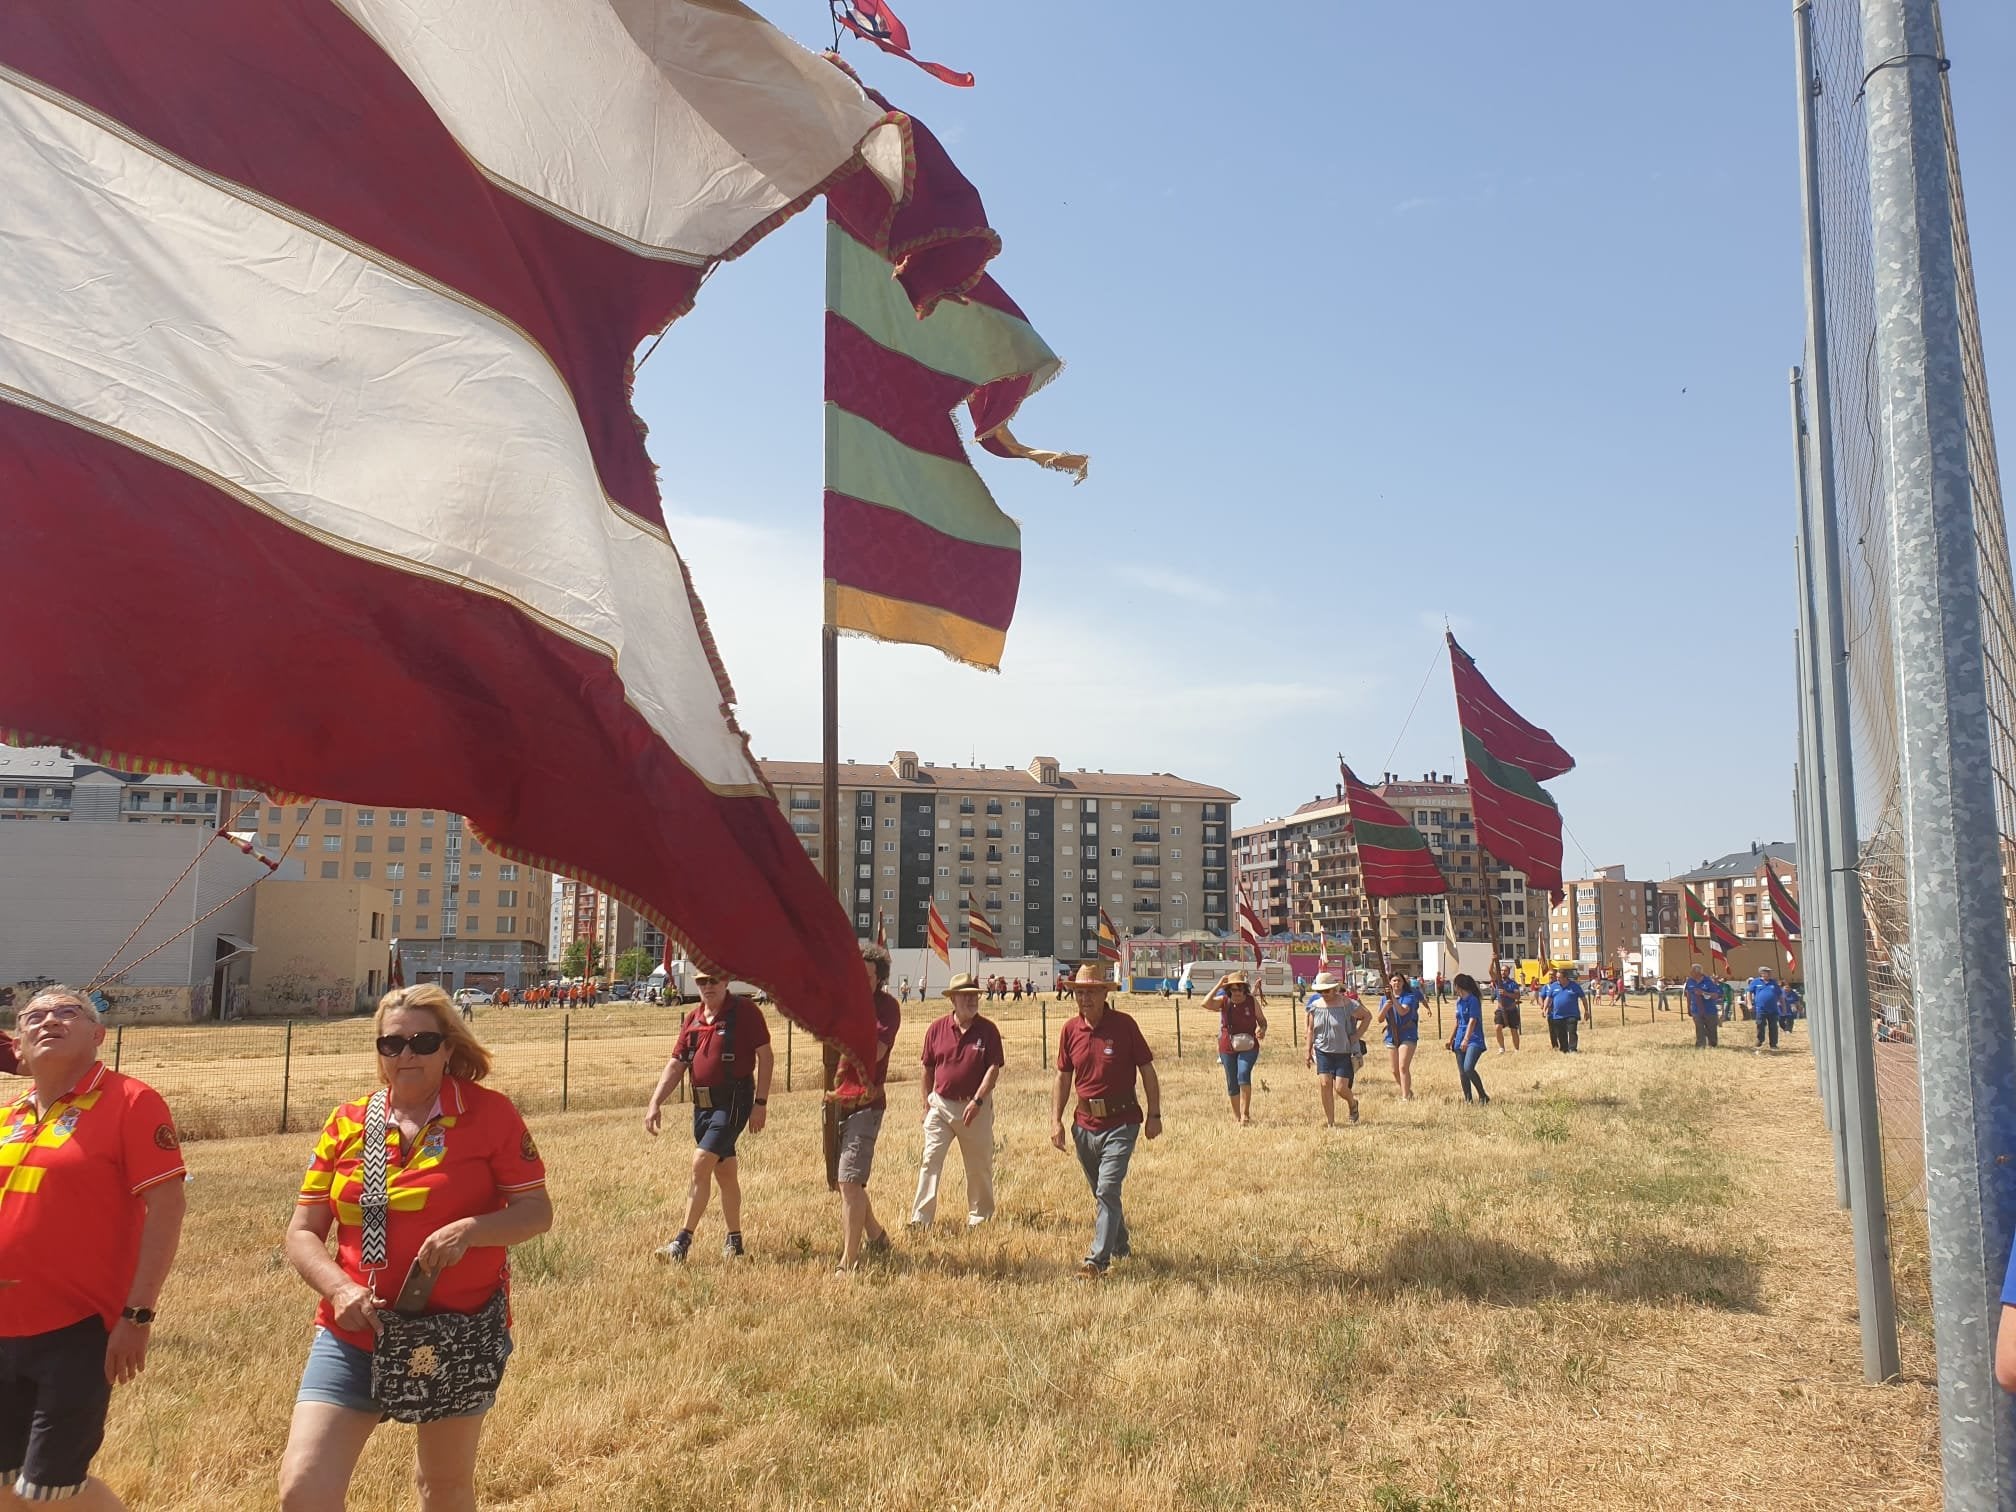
(675, 1252)
(731, 1248)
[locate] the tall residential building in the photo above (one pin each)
(1302, 875)
(1733, 886)
(49, 782)
(1039, 849)
(1600, 917)
(615, 925)
(464, 916)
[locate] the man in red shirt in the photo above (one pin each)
(1099, 1052)
(962, 1061)
(91, 1206)
(724, 1048)
(860, 1101)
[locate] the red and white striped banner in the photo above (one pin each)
(344, 293)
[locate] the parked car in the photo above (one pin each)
(620, 992)
(474, 997)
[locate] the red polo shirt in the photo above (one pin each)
(1103, 1063)
(700, 1043)
(888, 1021)
(70, 1200)
(956, 1060)
(468, 1158)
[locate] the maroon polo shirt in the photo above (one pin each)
(1103, 1063)
(700, 1043)
(888, 1021)
(956, 1060)
(1236, 1017)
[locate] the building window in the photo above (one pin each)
(332, 816)
(865, 871)
(420, 923)
(508, 872)
(395, 871)
(398, 897)
(367, 818)
(362, 845)
(888, 895)
(332, 842)
(889, 847)
(361, 870)
(1014, 897)
(426, 896)
(473, 898)
(476, 872)
(506, 897)
(1175, 829)
(944, 871)
(395, 843)
(331, 869)
(426, 844)
(426, 822)
(507, 924)
(396, 818)
(426, 870)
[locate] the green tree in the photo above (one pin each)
(579, 960)
(635, 964)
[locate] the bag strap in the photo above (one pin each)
(373, 1201)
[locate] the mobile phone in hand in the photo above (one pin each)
(413, 1295)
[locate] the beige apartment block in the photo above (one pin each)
(322, 948)
(1602, 917)
(463, 915)
(1733, 886)
(1039, 849)
(1301, 872)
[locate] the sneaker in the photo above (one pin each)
(1354, 1112)
(974, 1220)
(731, 1248)
(1089, 1270)
(675, 1252)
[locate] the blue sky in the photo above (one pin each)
(1373, 316)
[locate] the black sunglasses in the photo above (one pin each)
(393, 1045)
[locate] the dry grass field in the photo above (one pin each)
(1625, 1284)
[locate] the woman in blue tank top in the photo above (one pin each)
(1400, 1012)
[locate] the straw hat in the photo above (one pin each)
(1234, 979)
(1089, 975)
(964, 982)
(1326, 982)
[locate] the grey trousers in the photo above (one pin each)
(1104, 1157)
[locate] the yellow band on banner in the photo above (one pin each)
(856, 612)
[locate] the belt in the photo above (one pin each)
(1105, 1107)
(723, 1096)
(851, 1103)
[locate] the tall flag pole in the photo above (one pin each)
(1784, 912)
(1506, 758)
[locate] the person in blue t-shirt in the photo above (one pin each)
(1400, 1012)
(1767, 1002)
(1704, 1006)
(1564, 1013)
(1467, 1040)
(1506, 1015)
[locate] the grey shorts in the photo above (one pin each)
(858, 1132)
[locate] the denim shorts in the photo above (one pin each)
(1335, 1063)
(339, 1373)
(1238, 1066)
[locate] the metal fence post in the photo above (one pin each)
(1959, 931)
(566, 1047)
(1179, 1028)
(788, 1037)
(286, 1071)
(118, 1045)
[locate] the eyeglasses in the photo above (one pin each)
(700, 981)
(393, 1045)
(64, 1013)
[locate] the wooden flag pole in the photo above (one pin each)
(829, 857)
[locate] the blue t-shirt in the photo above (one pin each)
(1469, 1021)
(1405, 1022)
(2009, 1281)
(1767, 998)
(1565, 1001)
(1704, 998)
(1507, 994)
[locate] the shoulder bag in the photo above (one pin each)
(426, 1365)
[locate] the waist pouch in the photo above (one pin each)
(1106, 1107)
(723, 1096)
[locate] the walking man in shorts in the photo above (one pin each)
(724, 1051)
(1336, 1029)
(859, 1101)
(1506, 1016)
(91, 1205)
(1099, 1053)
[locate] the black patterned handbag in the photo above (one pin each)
(426, 1366)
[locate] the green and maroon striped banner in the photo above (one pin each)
(1394, 861)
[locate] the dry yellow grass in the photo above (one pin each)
(1623, 1285)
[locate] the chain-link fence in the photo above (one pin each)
(239, 1079)
(1862, 500)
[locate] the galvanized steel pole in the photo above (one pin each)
(1959, 961)
(1852, 1043)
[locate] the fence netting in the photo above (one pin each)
(1863, 503)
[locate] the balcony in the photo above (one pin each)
(1148, 860)
(1147, 884)
(993, 832)
(1147, 811)
(1147, 905)
(965, 805)
(1147, 837)
(993, 805)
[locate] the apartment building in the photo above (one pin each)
(1733, 886)
(464, 916)
(584, 913)
(52, 783)
(1599, 918)
(1040, 849)
(1301, 873)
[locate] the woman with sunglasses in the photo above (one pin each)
(463, 1182)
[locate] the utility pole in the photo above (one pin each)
(1959, 964)
(1850, 1033)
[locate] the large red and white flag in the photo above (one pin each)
(316, 325)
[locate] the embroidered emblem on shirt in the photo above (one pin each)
(526, 1148)
(164, 1137)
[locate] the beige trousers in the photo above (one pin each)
(943, 1124)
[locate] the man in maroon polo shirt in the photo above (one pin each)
(962, 1061)
(860, 1101)
(1099, 1053)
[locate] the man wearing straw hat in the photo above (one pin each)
(1099, 1054)
(962, 1060)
